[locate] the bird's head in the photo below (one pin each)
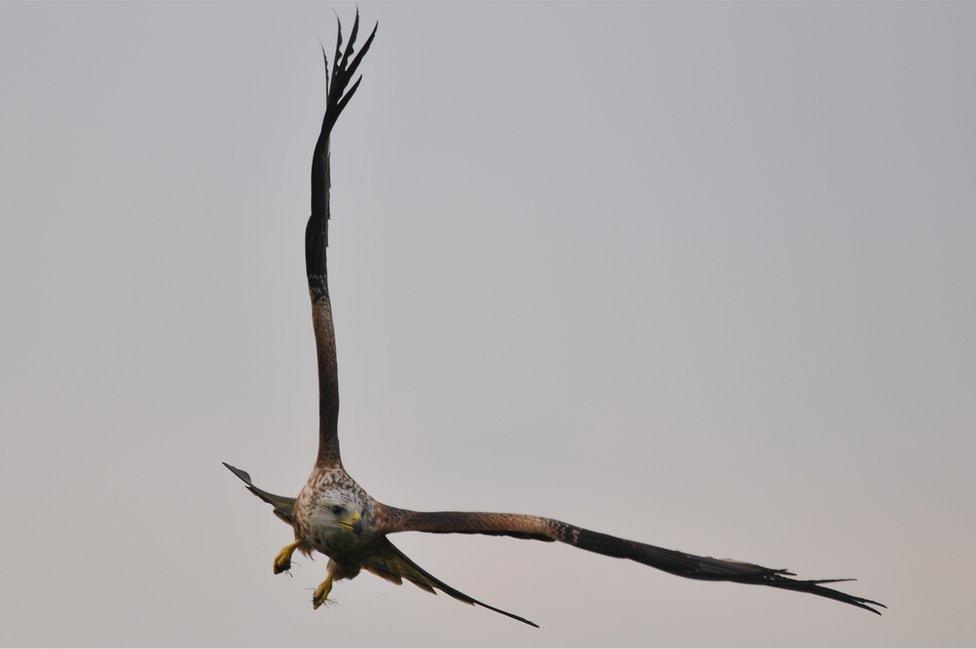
(340, 515)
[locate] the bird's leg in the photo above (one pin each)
(282, 562)
(322, 592)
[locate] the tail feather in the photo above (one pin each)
(392, 565)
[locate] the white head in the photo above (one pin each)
(335, 512)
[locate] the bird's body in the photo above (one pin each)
(316, 526)
(333, 515)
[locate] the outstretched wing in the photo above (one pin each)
(392, 565)
(344, 65)
(675, 562)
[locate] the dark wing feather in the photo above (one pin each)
(283, 505)
(317, 241)
(392, 565)
(672, 561)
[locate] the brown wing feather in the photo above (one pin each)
(317, 242)
(392, 565)
(672, 561)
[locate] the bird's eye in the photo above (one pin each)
(338, 509)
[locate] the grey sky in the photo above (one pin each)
(700, 275)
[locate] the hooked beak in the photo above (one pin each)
(354, 522)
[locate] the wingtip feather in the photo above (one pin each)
(240, 473)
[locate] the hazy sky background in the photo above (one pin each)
(701, 275)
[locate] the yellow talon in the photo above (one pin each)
(322, 592)
(282, 562)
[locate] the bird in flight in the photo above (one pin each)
(333, 515)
